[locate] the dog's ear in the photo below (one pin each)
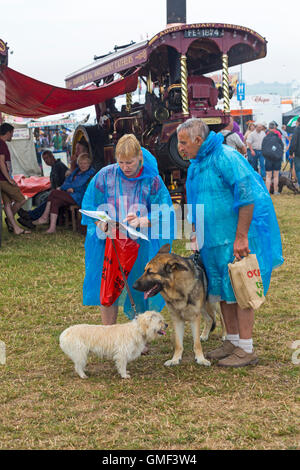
(175, 266)
(165, 248)
(143, 321)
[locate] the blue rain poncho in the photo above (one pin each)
(219, 182)
(110, 190)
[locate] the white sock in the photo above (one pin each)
(246, 345)
(234, 339)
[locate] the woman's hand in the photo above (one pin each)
(194, 243)
(136, 221)
(102, 225)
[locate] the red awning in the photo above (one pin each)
(27, 97)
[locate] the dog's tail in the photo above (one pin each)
(209, 313)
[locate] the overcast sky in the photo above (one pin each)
(51, 39)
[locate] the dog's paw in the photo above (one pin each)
(126, 376)
(82, 375)
(172, 362)
(202, 362)
(203, 337)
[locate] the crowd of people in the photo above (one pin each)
(59, 140)
(253, 145)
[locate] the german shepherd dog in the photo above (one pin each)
(177, 280)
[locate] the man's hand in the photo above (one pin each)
(12, 182)
(241, 247)
(70, 190)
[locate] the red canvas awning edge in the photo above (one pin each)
(31, 98)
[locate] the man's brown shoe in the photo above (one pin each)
(239, 358)
(223, 351)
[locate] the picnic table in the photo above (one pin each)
(32, 185)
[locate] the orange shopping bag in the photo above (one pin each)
(246, 282)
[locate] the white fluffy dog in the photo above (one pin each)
(122, 342)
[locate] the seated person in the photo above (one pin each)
(57, 177)
(12, 196)
(69, 194)
(80, 147)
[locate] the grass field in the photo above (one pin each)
(45, 405)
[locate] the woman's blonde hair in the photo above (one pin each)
(128, 147)
(84, 156)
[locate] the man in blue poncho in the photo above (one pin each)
(129, 191)
(239, 217)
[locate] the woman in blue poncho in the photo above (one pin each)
(239, 217)
(130, 191)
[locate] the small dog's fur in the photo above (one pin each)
(175, 278)
(121, 342)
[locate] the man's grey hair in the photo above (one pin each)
(194, 127)
(272, 125)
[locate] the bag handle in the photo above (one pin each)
(237, 260)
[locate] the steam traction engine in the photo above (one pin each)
(172, 69)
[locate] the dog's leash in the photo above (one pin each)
(286, 164)
(201, 273)
(125, 280)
